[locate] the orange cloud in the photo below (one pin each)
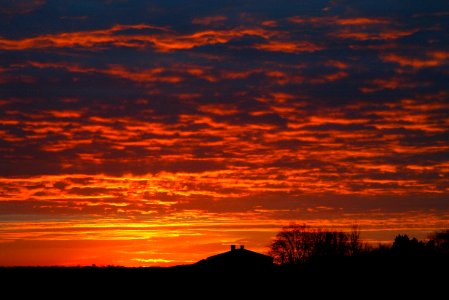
(387, 34)
(289, 47)
(362, 21)
(143, 145)
(219, 109)
(79, 39)
(163, 40)
(361, 28)
(65, 114)
(431, 59)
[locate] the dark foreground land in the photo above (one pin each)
(355, 277)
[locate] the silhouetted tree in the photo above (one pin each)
(404, 246)
(355, 243)
(401, 243)
(295, 244)
(290, 245)
(439, 241)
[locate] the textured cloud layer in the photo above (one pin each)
(127, 127)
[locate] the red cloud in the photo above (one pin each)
(362, 21)
(431, 59)
(384, 34)
(162, 40)
(291, 47)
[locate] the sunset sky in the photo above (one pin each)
(143, 133)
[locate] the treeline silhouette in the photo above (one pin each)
(342, 261)
(298, 245)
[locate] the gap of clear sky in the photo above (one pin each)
(159, 132)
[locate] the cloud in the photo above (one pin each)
(430, 59)
(13, 7)
(116, 36)
(382, 35)
(362, 21)
(162, 39)
(210, 20)
(292, 47)
(216, 125)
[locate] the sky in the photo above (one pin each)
(142, 133)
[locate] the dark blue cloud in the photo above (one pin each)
(319, 87)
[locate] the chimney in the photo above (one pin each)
(242, 247)
(232, 247)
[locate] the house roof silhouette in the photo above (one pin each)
(238, 258)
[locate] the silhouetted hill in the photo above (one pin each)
(367, 272)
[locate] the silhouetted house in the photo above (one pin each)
(240, 258)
